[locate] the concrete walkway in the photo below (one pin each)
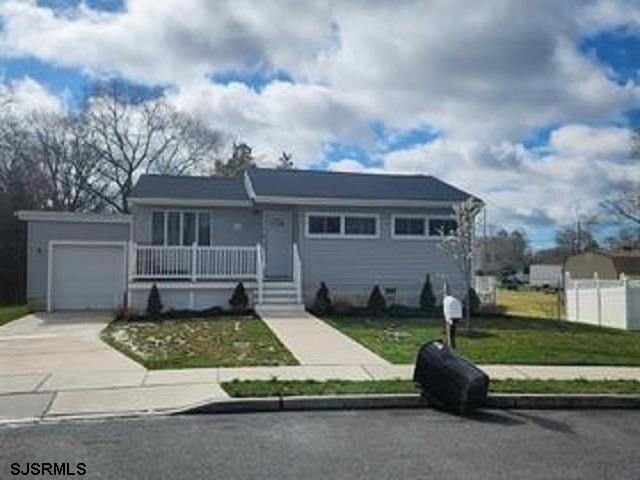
(314, 342)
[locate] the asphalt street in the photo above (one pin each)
(346, 444)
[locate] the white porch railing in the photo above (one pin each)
(260, 265)
(297, 273)
(195, 262)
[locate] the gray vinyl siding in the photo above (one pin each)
(351, 267)
(40, 233)
(231, 226)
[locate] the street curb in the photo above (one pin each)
(361, 402)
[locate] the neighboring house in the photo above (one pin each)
(545, 275)
(281, 232)
(607, 266)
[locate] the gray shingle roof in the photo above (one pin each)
(190, 188)
(322, 184)
(301, 184)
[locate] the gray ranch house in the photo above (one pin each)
(280, 232)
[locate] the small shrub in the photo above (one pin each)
(322, 302)
(427, 298)
(473, 301)
(154, 305)
(377, 303)
(239, 301)
(124, 314)
(342, 307)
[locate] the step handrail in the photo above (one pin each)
(297, 272)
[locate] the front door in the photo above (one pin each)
(278, 244)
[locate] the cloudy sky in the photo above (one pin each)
(526, 104)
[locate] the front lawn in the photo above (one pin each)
(277, 388)
(528, 303)
(11, 312)
(198, 342)
(498, 340)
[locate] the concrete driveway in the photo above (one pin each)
(56, 345)
(56, 364)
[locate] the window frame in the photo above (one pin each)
(342, 216)
(182, 212)
(411, 216)
(439, 217)
(427, 220)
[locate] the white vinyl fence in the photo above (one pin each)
(606, 303)
(486, 287)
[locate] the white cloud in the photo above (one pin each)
(168, 41)
(605, 142)
(297, 118)
(26, 95)
(581, 166)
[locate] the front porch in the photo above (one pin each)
(197, 268)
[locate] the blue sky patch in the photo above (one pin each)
(103, 5)
(618, 50)
(68, 83)
(256, 79)
(389, 140)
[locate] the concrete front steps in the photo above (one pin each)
(278, 297)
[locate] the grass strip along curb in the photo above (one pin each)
(288, 388)
(276, 395)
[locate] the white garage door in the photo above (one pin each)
(87, 277)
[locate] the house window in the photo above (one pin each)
(409, 226)
(188, 228)
(204, 229)
(355, 226)
(442, 226)
(324, 225)
(342, 225)
(157, 228)
(181, 228)
(173, 228)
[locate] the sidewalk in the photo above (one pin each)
(38, 396)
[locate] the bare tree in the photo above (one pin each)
(626, 205)
(142, 136)
(66, 162)
(578, 238)
(459, 244)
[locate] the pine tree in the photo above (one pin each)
(427, 298)
(322, 302)
(241, 160)
(154, 305)
(239, 301)
(285, 162)
(377, 303)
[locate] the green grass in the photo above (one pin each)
(198, 342)
(499, 340)
(11, 312)
(276, 388)
(527, 303)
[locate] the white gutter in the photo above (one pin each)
(71, 217)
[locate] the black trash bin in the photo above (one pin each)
(448, 380)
